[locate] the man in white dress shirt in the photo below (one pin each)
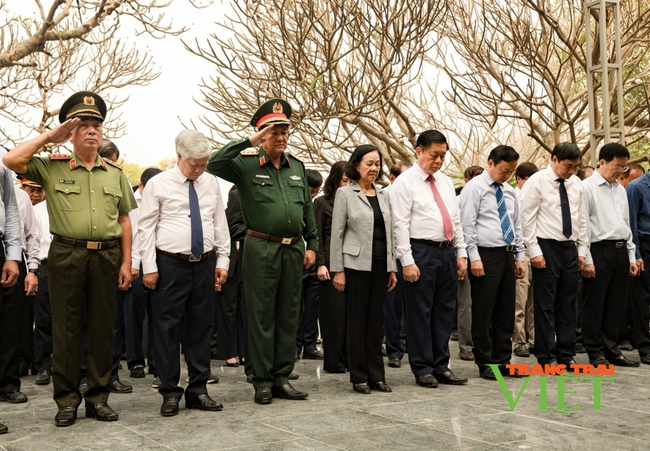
(430, 247)
(184, 245)
(555, 234)
(610, 259)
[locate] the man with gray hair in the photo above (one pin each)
(184, 245)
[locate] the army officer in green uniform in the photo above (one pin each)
(278, 212)
(88, 200)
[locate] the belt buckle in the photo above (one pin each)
(620, 244)
(193, 258)
(444, 244)
(286, 240)
(96, 245)
(510, 248)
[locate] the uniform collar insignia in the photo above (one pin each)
(262, 160)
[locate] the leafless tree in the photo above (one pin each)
(525, 62)
(354, 71)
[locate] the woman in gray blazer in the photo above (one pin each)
(362, 260)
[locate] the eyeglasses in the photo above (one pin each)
(618, 168)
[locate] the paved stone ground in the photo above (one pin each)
(475, 416)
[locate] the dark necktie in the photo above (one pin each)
(506, 225)
(566, 211)
(195, 221)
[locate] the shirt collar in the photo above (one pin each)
(488, 179)
(176, 172)
(264, 158)
(601, 181)
(421, 174)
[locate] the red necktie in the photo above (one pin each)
(446, 219)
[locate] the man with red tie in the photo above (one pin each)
(431, 249)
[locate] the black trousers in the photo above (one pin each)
(333, 320)
(231, 319)
(431, 307)
(554, 291)
(137, 306)
(641, 302)
(309, 308)
(183, 303)
(11, 314)
(27, 328)
(73, 271)
(493, 307)
(605, 297)
(43, 322)
(365, 292)
(393, 309)
(118, 332)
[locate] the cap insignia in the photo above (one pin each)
(89, 100)
(277, 108)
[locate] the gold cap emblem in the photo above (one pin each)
(89, 100)
(277, 108)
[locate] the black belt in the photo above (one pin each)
(567, 243)
(277, 239)
(441, 244)
(94, 245)
(189, 257)
(612, 243)
(508, 248)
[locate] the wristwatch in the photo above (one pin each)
(34, 271)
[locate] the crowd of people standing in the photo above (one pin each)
(551, 267)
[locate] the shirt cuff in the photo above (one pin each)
(13, 253)
(473, 254)
(223, 263)
(461, 253)
(407, 259)
(312, 245)
(135, 263)
(534, 251)
(149, 267)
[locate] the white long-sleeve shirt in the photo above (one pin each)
(30, 229)
(416, 213)
(44, 236)
(164, 221)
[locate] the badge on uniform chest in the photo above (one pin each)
(67, 181)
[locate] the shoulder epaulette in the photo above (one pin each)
(112, 163)
(295, 157)
(249, 152)
(60, 156)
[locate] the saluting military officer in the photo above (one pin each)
(278, 212)
(88, 200)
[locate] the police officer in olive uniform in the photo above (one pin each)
(278, 212)
(88, 200)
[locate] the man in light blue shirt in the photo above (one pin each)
(489, 213)
(9, 311)
(610, 259)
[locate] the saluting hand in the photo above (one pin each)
(9, 275)
(257, 138)
(64, 131)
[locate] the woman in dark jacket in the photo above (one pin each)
(332, 301)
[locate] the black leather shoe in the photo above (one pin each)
(13, 397)
(83, 389)
(293, 376)
(119, 387)
(42, 378)
(286, 391)
(263, 395)
(3, 429)
(313, 355)
(137, 372)
(169, 407)
(625, 346)
(361, 388)
(66, 416)
(100, 411)
(249, 378)
(600, 360)
(394, 362)
(487, 373)
(234, 364)
(381, 386)
(645, 359)
(449, 378)
(426, 380)
(624, 361)
(213, 379)
(203, 402)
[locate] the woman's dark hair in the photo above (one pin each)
(334, 178)
(472, 171)
(357, 156)
(107, 149)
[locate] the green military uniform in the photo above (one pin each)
(276, 202)
(82, 205)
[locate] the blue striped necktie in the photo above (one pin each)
(506, 225)
(195, 222)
